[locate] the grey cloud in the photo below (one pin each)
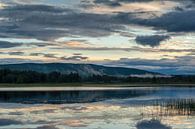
(6, 122)
(139, 49)
(49, 25)
(177, 21)
(115, 3)
(153, 40)
(44, 54)
(35, 54)
(40, 44)
(108, 3)
(47, 127)
(77, 54)
(16, 53)
(179, 8)
(5, 44)
(2, 53)
(179, 65)
(135, 0)
(75, 58)
(49, 55)
(36, 8)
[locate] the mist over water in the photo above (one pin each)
(130, 108)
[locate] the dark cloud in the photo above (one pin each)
(116, 3)
(108, 3)
(36, 8)
(48, 55)
(35, 54)
(47, 127)
(49, 23)
(40, 44)
(40, 24)
(5, 44)
(129, 1)
(16, 53)
(177, 21)
(75, 58)
(77, 54)
(6, 122)
(153, 40)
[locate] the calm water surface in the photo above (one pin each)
(98, 108)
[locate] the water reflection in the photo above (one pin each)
(157, 108)
(175, 107)
(151, 124)
(59, 97)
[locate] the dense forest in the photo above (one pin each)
(12, 76)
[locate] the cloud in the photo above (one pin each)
(108, 3)
(5, 44)
(36, 8)
(35, 54)
(48, 23)
(47, 127)
(77, 54)
(116, 3)
(127, 49)
(75, 58)
(178, 65)
(43, 44)
(153, 40)
(48, 55)
(16, 53)
(6, 122)
(172, 21)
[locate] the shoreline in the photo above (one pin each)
(95, 85)
(53, 89)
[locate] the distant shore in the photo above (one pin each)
(5, 85)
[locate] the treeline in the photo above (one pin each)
(177, 79)
(12, 76)
(9, 76)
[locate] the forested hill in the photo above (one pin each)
(14, 76)
(82, 69)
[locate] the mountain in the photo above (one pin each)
(82, 69)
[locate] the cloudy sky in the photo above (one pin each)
(145, 34)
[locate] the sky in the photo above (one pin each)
(154, 35)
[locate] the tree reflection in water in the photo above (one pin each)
(60, 97)
(141, 108)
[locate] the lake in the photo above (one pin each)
(97, 108)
